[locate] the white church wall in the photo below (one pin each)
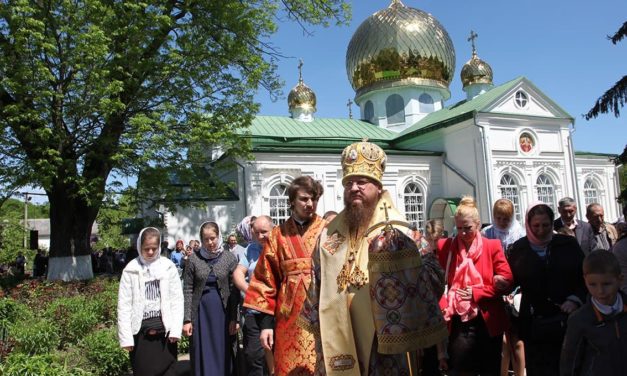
(184, 223)
(599, 171)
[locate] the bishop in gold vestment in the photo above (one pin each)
(370, 302)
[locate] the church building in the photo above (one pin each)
(503, 140)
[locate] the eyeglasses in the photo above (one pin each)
(361, 184)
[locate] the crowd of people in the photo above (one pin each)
(363, 292)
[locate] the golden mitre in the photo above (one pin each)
(363, 159)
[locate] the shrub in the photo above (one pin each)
(12, 311)
(75, 317)
(37, 365)
(183, 345)
(33, 337)
(104, 353)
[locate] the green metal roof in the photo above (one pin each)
(594, 155)
(322, 128)
(274, 133)
(464, 110)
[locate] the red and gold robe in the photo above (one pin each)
(279, 286)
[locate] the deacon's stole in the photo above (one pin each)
(279, 286)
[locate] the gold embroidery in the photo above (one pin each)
(342, 362)
(351, 273)
(333, 243)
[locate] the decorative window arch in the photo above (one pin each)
(545, 189)
(369, 112)
(509, 190)
(426, 103)
(414, 200)
(279, 203)
(591, 192)
(395, 109)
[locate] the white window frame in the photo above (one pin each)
(279, 203)
(414, 203)
(545, 190)
(590, 185)
(509, 189)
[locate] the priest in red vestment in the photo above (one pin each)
(281, 278)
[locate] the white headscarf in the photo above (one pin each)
(153, 267)
(207, 253)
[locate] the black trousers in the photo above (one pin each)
(153, 355)
(472, 350)
(253, 352)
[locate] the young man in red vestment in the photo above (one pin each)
(283, 273)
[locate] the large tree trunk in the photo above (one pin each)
(71, 220)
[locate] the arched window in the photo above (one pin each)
(509, 190)
(395, 109)
(426, 103)
(546, 191)
(369, 112)
(590, 192)
(414, 204)
(279, 204)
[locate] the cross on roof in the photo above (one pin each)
(349, 104)
(471, 39)
(300, 70)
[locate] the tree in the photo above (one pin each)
(94, 91)
(616, 96)
(115, 208)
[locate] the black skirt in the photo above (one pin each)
(153, 354)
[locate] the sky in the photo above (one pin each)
(561, 46)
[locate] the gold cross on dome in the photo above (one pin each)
(300, 70)
(471, 39)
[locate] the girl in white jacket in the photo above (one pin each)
(150, 308)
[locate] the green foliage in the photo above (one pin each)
(74, 317)
(15, 208)
(37, 365)
(104, 353)
(113, 211)
(12, 311)
(33, 337)
(183, 345)
(11, 239)
(95, 91)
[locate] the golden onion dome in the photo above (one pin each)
(301, 96)
(476, 71)
(400, 45)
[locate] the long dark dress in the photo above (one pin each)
(211, 339)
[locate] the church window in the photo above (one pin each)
(545, 190)
(369, 112)
(414, 204)
(426, 103)
(509, 190)
(521, 99)
(279, 204)
(590, 192)
(395, 109)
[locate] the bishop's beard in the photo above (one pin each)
(358, 215)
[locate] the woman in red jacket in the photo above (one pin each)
(477, 276)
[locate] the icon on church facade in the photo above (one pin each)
(526, 142)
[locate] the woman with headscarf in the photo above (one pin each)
(504, 225)
(150, 308)
(548, 269)
(211, 301)
(477, 275)
(507, 229)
